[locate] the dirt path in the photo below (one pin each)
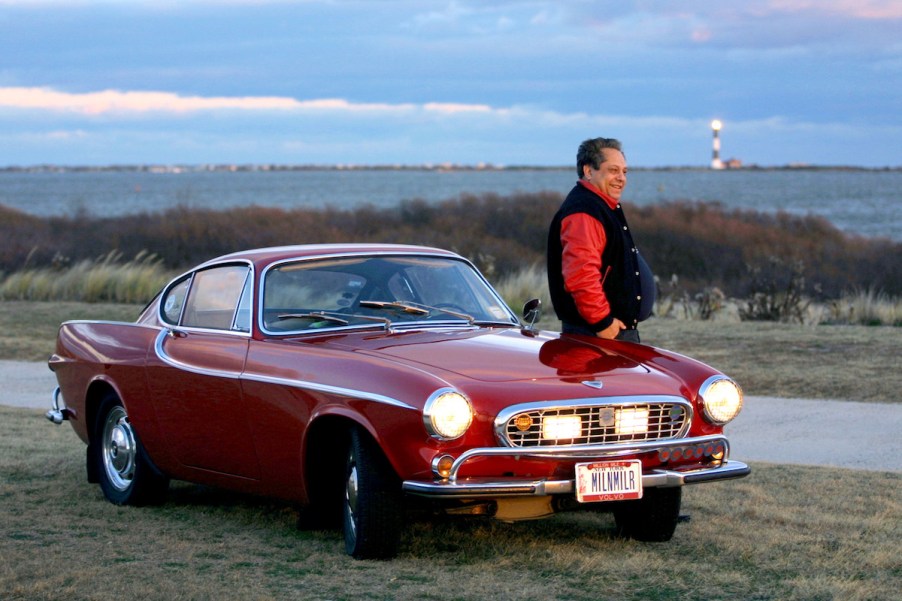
(773, 430)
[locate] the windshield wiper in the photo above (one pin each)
(415, 308)
(315, 315)
(405, 307)
(320, 315)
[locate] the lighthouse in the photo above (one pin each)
(716, 163)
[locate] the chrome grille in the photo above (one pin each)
(608, 423)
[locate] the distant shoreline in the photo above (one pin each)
(442, 167)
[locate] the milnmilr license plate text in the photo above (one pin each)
(608, 481)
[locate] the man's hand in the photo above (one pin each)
(612, 330)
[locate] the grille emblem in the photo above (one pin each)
(607, 417)
(596, 384)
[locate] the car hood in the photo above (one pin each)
(505, 355)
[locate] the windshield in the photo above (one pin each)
(386, 291)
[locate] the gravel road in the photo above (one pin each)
(771, 430)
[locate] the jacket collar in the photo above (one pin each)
(613, 204)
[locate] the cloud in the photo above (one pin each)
(116, 102)
(857, 9)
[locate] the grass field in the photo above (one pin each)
(785, 533)
(788, 533)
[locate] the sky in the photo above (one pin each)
(469, 82)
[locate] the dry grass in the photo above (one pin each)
(853, 363)
(865, 307)
(788, 533)
(108, 279)
(520, 286)
(28, 329)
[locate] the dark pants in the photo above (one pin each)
(627, 335)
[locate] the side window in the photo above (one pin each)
(174, 301)
(213, 297)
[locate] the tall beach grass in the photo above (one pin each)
(110, 279)
(106, 279)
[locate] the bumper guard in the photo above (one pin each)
(58, 412)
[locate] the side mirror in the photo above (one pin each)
(532, 311)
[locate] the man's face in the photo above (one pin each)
(610, 177)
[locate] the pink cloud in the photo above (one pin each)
(125, 102)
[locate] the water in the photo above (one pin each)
(867, 203)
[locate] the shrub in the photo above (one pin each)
(705, 244)
(778, 292)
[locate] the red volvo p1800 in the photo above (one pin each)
(360, 381)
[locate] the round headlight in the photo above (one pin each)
(721, 399)
(447, 414)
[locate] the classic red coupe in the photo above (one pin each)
(362, 381)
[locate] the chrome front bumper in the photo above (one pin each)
(473, 488)
(470, 488)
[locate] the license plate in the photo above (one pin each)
(608, 481)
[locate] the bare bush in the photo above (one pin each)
(778, 292)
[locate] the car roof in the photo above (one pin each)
(264, 256)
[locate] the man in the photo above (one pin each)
(593, 263)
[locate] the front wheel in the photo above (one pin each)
(372, 501)
(125, 473)
(653, 518)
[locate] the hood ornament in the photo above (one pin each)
(596, 384)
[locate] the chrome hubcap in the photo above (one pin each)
(119, 449)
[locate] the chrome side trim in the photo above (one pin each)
(300, 384)
(336, 390)
(111, 322)
(172, 362)
(471, 488)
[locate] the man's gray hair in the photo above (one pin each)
(591, 152)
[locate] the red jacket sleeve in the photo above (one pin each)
(583, 241)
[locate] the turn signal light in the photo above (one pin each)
(441, 466)
(715, 451)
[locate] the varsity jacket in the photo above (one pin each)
(593, 263)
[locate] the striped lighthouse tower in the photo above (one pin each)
(716, 163)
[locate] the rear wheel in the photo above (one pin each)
(372, 501)
(120, 461)
(653, 518)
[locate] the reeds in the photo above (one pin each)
(528, 283)
(110, 279)
(106, 279)
(867, 307)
